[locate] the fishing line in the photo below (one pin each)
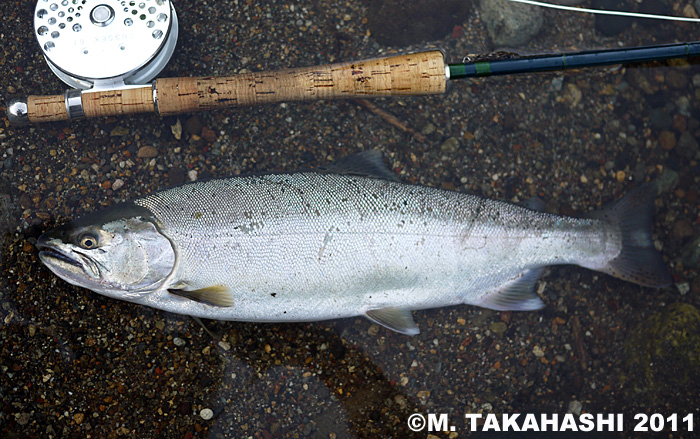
(606, 12)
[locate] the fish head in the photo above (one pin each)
(118, 251)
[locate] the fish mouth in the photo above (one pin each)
(50, 253)
(65, 261)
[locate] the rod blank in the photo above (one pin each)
(543, 63)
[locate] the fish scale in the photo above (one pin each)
(350, 238)
(330, 243)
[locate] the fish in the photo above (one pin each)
(343, 240)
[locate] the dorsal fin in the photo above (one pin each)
(534, 203)
(366, 163)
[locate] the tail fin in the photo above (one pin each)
(638, 261)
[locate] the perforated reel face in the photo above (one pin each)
(87, 41)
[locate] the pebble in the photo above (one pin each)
(572, 95)
(498, 328)
(423, 394)
(680, 123)
(428, 129)
(176, 129)
(118, 183)
(450, 146)
(575, 407)
(676, 79)
(667, 140)
(307, 429)
(683, 104)
(620, 176)
(206, 414)
(557, 83)
(193, 125)
(537, 350)
(687, 145)
(177, 341)
(79, 418)
(682, 229)
(690, 11)
(667, 180)
(691, 254)
(192, 175)
(22, 418)
(695, 286)
(147, 152)
(637, 79)
(208, 135)
(119, 131)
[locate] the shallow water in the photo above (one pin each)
(76, 364)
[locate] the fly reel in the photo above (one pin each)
(106, 44)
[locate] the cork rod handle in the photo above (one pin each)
(412, 74)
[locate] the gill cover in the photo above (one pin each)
(114, 251)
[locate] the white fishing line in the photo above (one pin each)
(606, 12)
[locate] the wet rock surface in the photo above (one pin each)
(662, 354)
(77, 364)
(510, 24)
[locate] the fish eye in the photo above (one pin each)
(88, 241)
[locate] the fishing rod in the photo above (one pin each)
(75, 41)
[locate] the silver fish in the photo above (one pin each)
(342, 241)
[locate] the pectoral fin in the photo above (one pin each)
(396, 319)
(216, 295)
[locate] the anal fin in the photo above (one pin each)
(216, 295)
(516, 295)
(396, 319)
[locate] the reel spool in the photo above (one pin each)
(106, 44)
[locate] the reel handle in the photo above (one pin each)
(420, 73)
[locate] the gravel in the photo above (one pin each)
(96, 367)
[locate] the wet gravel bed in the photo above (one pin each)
(76, 364)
